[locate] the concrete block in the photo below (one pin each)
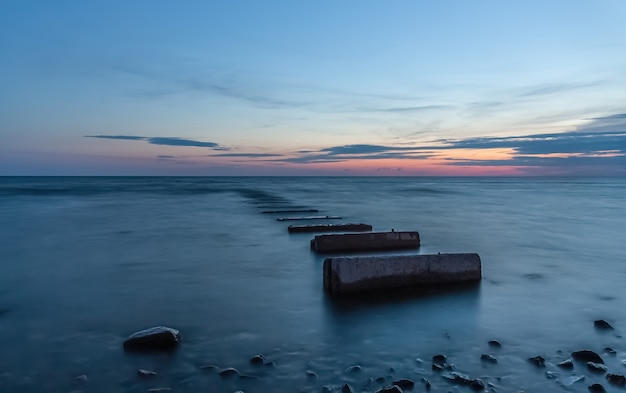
(345, 275)
(329, 228)
(353, 242)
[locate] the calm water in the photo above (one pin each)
(84, 262)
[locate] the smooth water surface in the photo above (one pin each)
(84, 262)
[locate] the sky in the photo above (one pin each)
(325, 87)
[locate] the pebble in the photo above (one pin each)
(610, 351)
(311, 374)
(538, 361)
(596, 388)
(209, 367)
(596, 367)
(146, 373)
(228, 372)
(551, 375)
(488, 358)
(257, 360)
(346, 388)
(495, 344)
(566, 364)
(354, 369)
(404, 383)
(439, 359)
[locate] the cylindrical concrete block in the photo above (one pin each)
(353, 242)
(344, 275)
(329, 228)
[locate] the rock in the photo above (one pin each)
(601, 324)
(587, 356)
(209, 367)
(257, 360)
(438, 367)
(311, 374)
(457, 378)
(538, 361)
(327, 389)
(249, 377)
(494, 344)
(426, 383)
(270, 364)
(159, 390)
(616, 379)
(610, 351)
(404, 383)
(566, 364)
(488, 358)
(146, 373)
(569, 381)
(596, 388)
(439, 359)
(228, 372)
(346, 388)
(353, 369)
(390, 389)
(477, 384)
(551, 375)
(596, 367)
(81, 378)
(159, 338)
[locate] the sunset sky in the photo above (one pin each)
(326, 87)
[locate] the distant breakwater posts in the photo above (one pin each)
(350, 275)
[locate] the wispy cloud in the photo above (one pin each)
(250, 155)
(555, 88)
(164, 141)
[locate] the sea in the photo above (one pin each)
(87, 261)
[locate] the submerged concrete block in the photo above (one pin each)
(329, 228)
(344, 275)
(352, 242)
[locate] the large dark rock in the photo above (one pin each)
(390, 389)
(159, 338)
(601, 324)
(586, 355)
(346, 388)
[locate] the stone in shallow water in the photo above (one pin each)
(228, 372)
(439, 359)
(488, 358)
(616, 379)
(311, 374)
(569, 381)
(538, 361)
(159, 338)
(146, 373)
(566, 364)
(257, 360)
(494, 344)
(346, 388)
(390, 389)
(596, 388)
(610, 351)
(586, 355)
(404, 383)
(596, 367)
(601, 324)
(353, 369)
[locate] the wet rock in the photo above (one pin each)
(438, 367)
(616, 379)
(404, 383)
(257, 360)
(551, 375)
(145, 373)
(271, 363)
(586, 355)
(457, 378)
(353, 369)
(159, 338)
(311, 374)
(494, 344)
(439, 359)
(610, 351)
(346, 388)
(390, 389)
(427, 384)
(228, 372)
(249, 377)
(488, 358)
(538, 361)
(327, 389)
(569, 381)
(596, 388)
(477, 384)
(601, 324)
(596, 367)
(381, 380)
(566, 364)
(209, 367)
(81, 379)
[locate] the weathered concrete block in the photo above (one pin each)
(329, 228)
(344, 275)
(374, 241)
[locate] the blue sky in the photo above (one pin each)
(312, 88)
